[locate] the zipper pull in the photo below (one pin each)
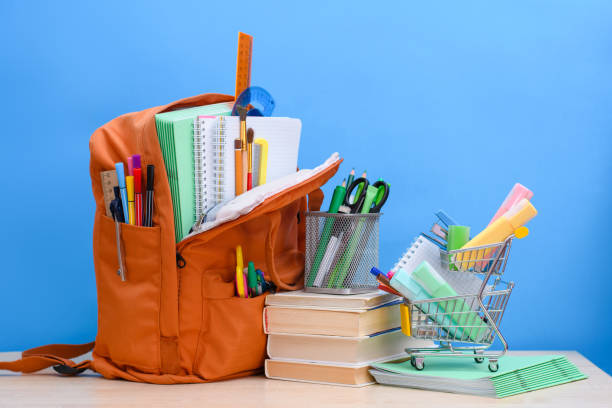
(180, 261)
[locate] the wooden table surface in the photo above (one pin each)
(90, 390)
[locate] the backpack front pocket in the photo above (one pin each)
(128, 311)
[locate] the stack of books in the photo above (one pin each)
(332, 339)
(516, 374)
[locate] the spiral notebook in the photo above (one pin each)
(214, 169)
(175, 133)
(422, 249)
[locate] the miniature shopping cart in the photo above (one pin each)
(465, 325)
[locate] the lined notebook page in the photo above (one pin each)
(214, 154)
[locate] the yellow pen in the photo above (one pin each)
(240, 288)
(129, 184)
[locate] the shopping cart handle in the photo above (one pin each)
(521, 232)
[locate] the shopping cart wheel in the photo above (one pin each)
(478, 359)
(493, 366)
(418, 362)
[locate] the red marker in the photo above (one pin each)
(137, 188)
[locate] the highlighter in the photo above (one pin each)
(240, 286)
(129, 183)
(124, 198)
(498, 231)
(515, 195)
(263, 160)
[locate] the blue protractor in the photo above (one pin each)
(255, 95)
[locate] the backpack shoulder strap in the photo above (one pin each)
(56, 355)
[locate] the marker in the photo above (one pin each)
(124, 198)
(130, 163)
(137, 188)
(150, 181)
(252, 279)
(129, 183)
(250, 137)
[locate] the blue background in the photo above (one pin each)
(451, 103)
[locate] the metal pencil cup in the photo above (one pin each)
(340, 251)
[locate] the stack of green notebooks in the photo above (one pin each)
(175, 134)
(516, 374)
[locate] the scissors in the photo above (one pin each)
(360, 195)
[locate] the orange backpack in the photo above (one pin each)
(171, 321)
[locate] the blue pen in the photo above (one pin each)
(121, 180)
(261, 281)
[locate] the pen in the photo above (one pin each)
(129, 183)
(150, 181)
(121, 181)
(137, 188)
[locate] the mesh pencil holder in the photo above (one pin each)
(340, 251)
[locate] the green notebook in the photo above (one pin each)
(516, 374)
(175, 134)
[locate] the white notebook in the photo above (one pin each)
(214, 154)
(422, 249)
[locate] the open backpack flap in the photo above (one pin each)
(175, 319)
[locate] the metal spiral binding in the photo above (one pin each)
(406, 256)
(200, 177)
(216, 187)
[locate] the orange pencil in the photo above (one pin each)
(238, 165)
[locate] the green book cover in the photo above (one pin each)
(175, 134)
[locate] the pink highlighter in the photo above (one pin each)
(517, 193)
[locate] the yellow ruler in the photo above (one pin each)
(243, 63)
(109, 180)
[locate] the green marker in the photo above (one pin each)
(340, 271)
(252, 280)
(336, 202)
(456, 238)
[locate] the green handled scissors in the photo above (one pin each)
(357, 204)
